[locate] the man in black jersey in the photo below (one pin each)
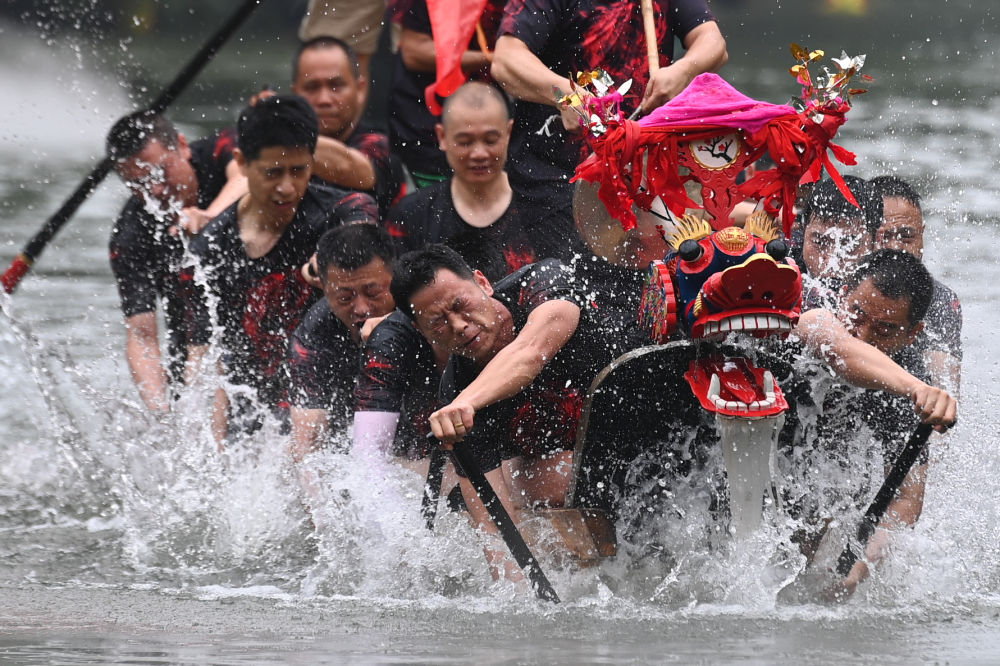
(355, 267)
(903, 229)
(247, 268)
(327, 74)
(476, 206)
(522, 356)
(543, 41)
(173, 184)
(887, 299)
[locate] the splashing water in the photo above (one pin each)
(96, 495)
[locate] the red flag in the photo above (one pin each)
(452, 23)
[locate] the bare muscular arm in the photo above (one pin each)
(548, 328)
(522, 74)
(867, 367)
(338, 163)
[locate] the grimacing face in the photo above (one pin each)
(277, 179)
(459, 315)
(360, 294)
(882, 322)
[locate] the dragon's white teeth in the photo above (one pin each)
(760, 322)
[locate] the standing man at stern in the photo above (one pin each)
(541, 41)
(522, 357)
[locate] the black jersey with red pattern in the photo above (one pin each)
(569, 36)
(514, 240)
(322, 364)
(146, 259)
(543, 417)
(258, 302)
(390, 183)
(398, 374)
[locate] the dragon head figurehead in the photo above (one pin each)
(687, 155)
(713, 282)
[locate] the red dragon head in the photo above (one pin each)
(731, 280)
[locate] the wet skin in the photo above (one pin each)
(878, 320)
(902, 228)
(357, 295)
(833, 247)
(460, 316)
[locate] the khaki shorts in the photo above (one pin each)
(357, 22)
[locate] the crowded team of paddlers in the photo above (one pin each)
(459, 283)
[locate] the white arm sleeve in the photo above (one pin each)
(374, 432)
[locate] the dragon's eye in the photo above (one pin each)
(778, 249)
(690, 250)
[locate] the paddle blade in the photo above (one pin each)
(12, 276)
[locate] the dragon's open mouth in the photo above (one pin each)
(769, 401)
(734, 386)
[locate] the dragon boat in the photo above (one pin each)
(708, 376)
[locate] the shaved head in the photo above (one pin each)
(475, 95)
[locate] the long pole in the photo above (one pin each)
(23, 262)
(649, 26)
(508, 530)
(907, 457)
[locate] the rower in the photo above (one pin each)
(903, 229)
(523, 353)
(355, 269)
(175, 186)
(348, 154)
(248, 261)
(887, 299)
(476, 206)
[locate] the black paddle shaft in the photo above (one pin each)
(432, 487)
(40, 240)
(907, 457)
(508, 530)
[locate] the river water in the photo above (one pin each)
(127, 540)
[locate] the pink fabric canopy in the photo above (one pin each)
(709, 100)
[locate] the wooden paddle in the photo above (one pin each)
(649, 27)
(22, 263)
